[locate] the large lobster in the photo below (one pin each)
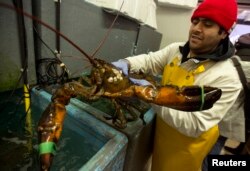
(188, 98)
(101, 83)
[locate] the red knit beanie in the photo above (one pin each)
(223, 12)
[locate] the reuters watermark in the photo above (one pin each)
(229, 162)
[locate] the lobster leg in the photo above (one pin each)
(134, 106)
(51, 123)
(126, 106)
(119, 119)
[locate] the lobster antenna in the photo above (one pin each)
(91, 60)
(108, 32)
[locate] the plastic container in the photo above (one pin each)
(140, 136)
(111, 151)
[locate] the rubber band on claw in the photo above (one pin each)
(47, 147)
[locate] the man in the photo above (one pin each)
(183, 139)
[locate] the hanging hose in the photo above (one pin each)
(58, 19)
(24, 59)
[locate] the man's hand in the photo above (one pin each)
(140, 82)
(123, 65)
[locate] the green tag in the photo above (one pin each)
(47, 147)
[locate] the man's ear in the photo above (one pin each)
(224, 34)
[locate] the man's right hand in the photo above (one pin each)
(123, 65)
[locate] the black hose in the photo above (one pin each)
(58, 11)
(23, 40)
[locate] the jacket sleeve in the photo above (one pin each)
(153, 62)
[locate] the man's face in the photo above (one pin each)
(204, 36)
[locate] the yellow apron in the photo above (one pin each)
(174, 151)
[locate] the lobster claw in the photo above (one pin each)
(199, 97)
(46, 162)
(49, 131)
(186, 98)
